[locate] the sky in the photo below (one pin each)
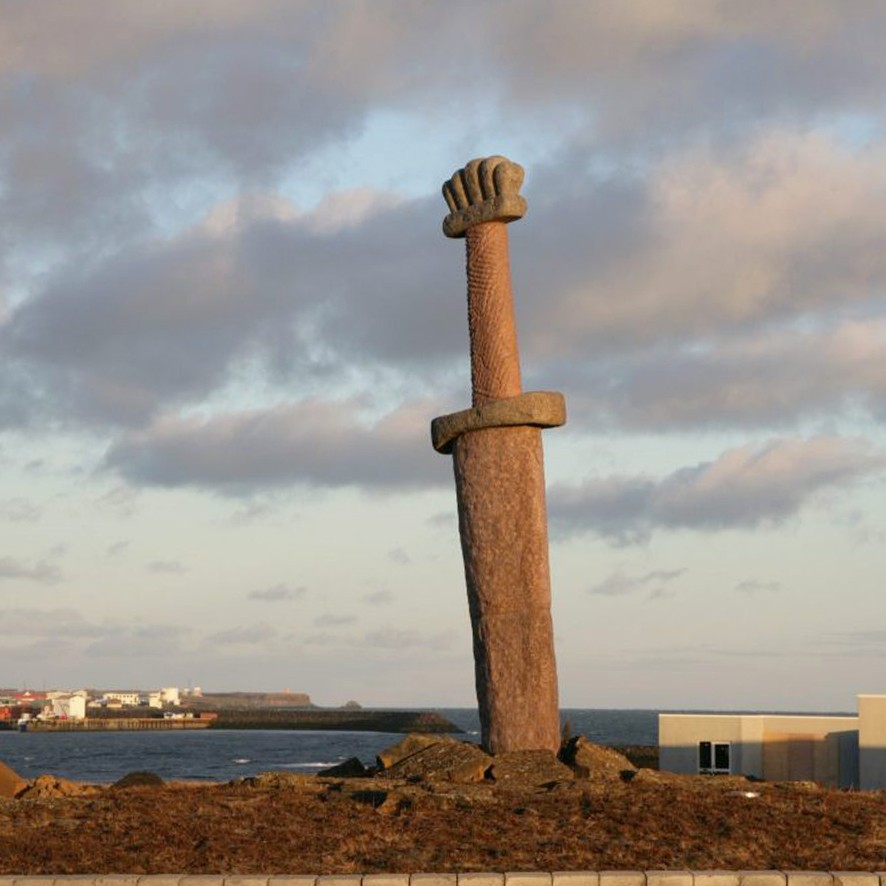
(228, 314)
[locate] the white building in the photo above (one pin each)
(832, 750)
(68, 707)
(167, 696)
(130, 699)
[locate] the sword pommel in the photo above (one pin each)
(485, 190)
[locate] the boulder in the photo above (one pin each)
(282, 781)
(138, 780)
(410, 745)
(445, 760)
(49, 786)
(11, 783)
(529, 769)
(351, 768)
(589, 760)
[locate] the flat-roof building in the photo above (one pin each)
(833, 750)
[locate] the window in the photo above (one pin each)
(714, 757)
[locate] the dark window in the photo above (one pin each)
(714, 756)
(704, 756)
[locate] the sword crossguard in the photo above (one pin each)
(538, 409)
(485, 190)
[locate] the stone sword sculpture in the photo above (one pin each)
(499, 477)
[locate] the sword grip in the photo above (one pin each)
(495, 360)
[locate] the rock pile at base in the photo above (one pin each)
(427, 758)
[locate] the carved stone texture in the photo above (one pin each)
(499, 479)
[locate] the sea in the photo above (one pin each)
(224, 755)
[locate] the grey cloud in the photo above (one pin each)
(378, 598)
(399, 556)
(19, 510)
(757, 379)
(278, 593)
(753, 586)
(701, 244)
(167, 567)
(39, 571)
(618, 584)
(141, 640)
(389, 637)
(167, 323)
(384, 638)
(331, 620)
(244, 634)
(48, 623)
(615, 303)
(743, 489)
(312, 443)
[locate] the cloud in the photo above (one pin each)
(618, 258)
(388, 638)
(619, 585)
(278, 593)
(378, 598)
(760, 378)
(863, 642)
(39, 571)
(753, 586)
(141, 640)
(331, 620)
(19, 510)
(399, 556)
(167, 567)
(743, 489)
(26, 621)
(614, 304)
(244, 634)
(168, 322)
(313, 442)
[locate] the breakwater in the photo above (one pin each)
(107, 724)
(335, 720)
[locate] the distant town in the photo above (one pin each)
(170, 707)
(56, 708)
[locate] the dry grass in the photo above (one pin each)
(356, 826)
